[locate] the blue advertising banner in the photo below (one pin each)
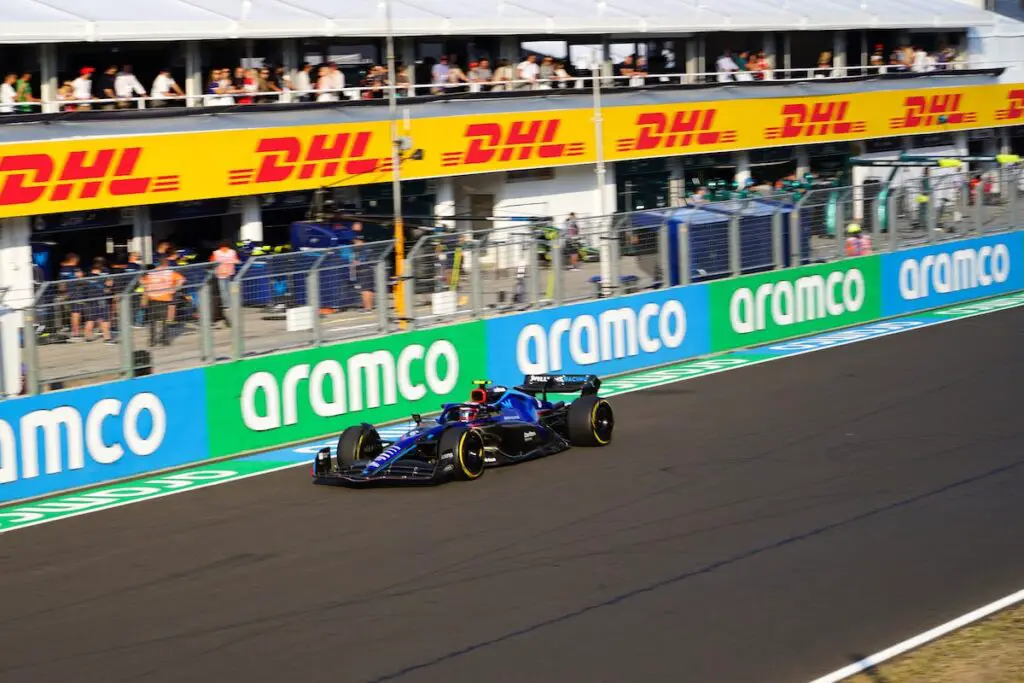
(949, 273)
(604, 337)
(92, 435)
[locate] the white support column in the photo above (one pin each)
(702, 55)
(865, 54)
(193, 74)
(252, 220)
(508, 49)
(290, 55)
(803, 161)
(839, 53)
(960, 141)
(1004, 142)
(677, 181)
(742, 161)
(444, 202)
(142, 234)
(17, 285)
(48, 85)
(787, 53)
(407, 56)
(770, 46)
(692, 59)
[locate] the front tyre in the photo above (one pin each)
(460, 454)
(358, 443)
(590, 421)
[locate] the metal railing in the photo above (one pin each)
(492, 85)
(316, 297)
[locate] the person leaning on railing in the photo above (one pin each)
(160, 286)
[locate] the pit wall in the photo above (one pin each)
(100, 434)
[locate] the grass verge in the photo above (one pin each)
(989, 651)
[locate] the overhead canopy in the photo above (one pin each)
(47, 21)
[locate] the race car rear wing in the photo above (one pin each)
(560, 384)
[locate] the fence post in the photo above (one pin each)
(778, 255)
(31, 346)
(614, 234)
(237, 324)
(664, 262)
(409, 291)
(206, 318)
(890, 214)
(475, 282)
(532, 266)
(1014, 189)
(313, 298)
(931, 216)
(684, 253)
(795, 256)
(554, 291)
(380, 276)
(979, 209)
(735, 262)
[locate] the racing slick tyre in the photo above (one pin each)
(460, 453)
(590, 421)
(359, 442)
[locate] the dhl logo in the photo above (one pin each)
(326, 156)
(814, 120)
(692, 127)
(922, 112)
(29, 178)
(521, 140)
(1015, 109)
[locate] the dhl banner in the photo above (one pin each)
(110, 172)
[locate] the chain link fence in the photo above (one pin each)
(93, 329)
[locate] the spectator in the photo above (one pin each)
(546, 73)
(267, 83)
(81, 87)
(302, 84)
(527, 72)
(105, 86)
(67, 93)
(8, 94)
(163, 85)
(561, 75)
(877, 60)
(127, 86)
(218, 90)
(23, 94)
(480, 76)
(323, 86)
(504, 76)
(640, 74)
(337, 79)
(456, 78)
(824, 69)
(404, 82)
(726, 67)
(572, 240)
(439, 74)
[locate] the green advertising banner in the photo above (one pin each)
(768, 307)
(275, 400)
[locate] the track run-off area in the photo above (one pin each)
(785, 511)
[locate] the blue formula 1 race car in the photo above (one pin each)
(498, 426)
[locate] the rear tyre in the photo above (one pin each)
(460, 455)
(590, 421)
(358, 443)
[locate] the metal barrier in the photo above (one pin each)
(309, 298)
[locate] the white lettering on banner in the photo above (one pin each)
(64, 426)
(613, 334)
(847, 336)
(811, 298)
(373, 379)
(944, 273)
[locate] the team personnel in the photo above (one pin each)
(227, 262)
(68, 294)
(100, 294)
(857, 243)
(160, 286)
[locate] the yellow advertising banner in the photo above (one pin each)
(110, 172)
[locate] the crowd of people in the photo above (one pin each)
(756, 65)
(117, 87)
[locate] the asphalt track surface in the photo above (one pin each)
(767, 524)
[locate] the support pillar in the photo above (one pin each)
(193, 74)
(16, 285)
(48, 85)
(803, 161)
(444, 202)
(142, 234)
(252, 220)
(839, 61)
(742, 160)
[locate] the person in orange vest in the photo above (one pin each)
(227, 262)
(159, 287)
(857, 243)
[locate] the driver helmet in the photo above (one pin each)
(468, 413)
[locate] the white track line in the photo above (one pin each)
(919, 640)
